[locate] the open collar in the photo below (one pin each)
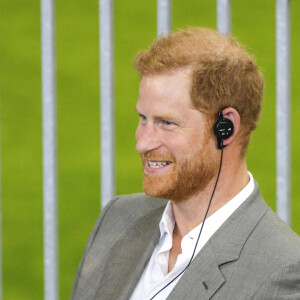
(130, 255)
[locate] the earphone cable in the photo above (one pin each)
(211, 197)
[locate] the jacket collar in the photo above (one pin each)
(203, 278)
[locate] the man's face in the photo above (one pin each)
(174, 141)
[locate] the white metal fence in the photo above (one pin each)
(283, 133)
(107, 115)
(49, 150)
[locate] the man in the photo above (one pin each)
(203, 231)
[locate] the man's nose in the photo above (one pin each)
(147, 138)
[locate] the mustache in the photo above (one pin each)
(155, 156)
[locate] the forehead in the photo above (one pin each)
(167, 96)
(168, 91)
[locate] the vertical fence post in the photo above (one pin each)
(0, 218)
(224, 16)
(107, 101)
(163, 17)
(49, 150)
(283, 135)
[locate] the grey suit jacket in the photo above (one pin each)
(253, 255)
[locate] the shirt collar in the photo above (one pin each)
(167, 222)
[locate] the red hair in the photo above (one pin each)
(223, 73)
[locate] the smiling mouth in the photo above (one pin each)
(158, 164)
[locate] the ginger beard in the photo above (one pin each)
(185, 178)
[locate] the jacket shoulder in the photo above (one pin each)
(280, 238)
(122, 212)
(132, 206)
(117, 218)
(281, 259)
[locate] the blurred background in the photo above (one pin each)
(77, 51)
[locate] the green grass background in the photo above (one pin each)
(253, 22)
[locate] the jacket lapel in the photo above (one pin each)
(201, 279)
(129, 256)
(209, 270)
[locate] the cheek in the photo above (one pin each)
(195, 142)
(180, 147)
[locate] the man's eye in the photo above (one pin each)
(142, 118)
(167, 123)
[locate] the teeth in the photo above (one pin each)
(158, 164)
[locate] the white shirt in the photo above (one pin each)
(155, 275)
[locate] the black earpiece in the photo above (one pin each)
(223, 129)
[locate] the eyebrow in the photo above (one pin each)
(166, 116)
(135, 109)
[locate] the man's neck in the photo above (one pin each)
(191, 212)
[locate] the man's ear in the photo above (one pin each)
(233, 115)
